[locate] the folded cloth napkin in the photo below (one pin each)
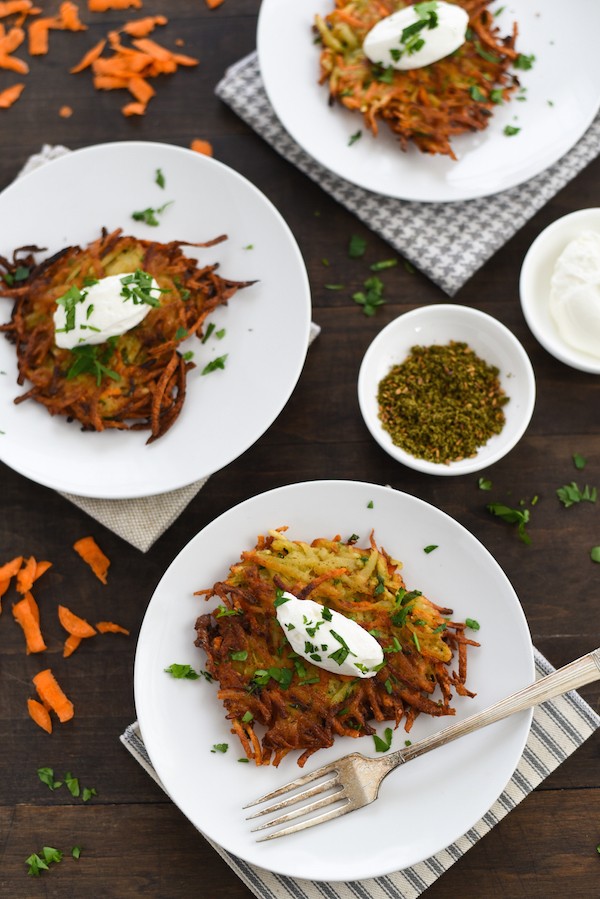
(559, 727)
(139, 521)
(448, 242)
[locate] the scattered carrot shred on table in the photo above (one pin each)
(67, 20)
(91, 553)
(10, 95)
(105, 5)
(73, 624)
(143, 27)
(26, 614)
(70, 645)
(65, 112)
(52, 695)
(7, 572)
(109, 627)
(202, 146)
(212, 4)
(10, 41)
(39, 714)
(13, 7)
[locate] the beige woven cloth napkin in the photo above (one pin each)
(143, 520)
(559, 727)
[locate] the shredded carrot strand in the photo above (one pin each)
(143, 27)
(105, 5)
(26, 575)
(109, 627)
(51, 694)
(73, 624)
(91, 56)
(70, 645)
(26, 616)
(39, 714)
(91, 553)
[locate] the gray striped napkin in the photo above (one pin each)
(559, 727)
(138, 521)
(448, 242)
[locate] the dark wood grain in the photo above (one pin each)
(134, 840)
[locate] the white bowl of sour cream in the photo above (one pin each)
(439, 325)
(560, 289)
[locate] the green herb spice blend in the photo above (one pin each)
(442, 403)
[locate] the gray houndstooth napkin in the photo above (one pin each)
(448, 242)
(559, 727)
(139, 521)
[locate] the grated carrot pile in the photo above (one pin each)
(130, 67)
(114, 65)
(25, 572)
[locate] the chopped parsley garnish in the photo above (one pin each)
(76, 851)
(92, 360)
(571, 494)
(37, 864)
(149, 215)
(383, 264)
(354, 137)
(69, 301)
(137, 287)
(356, 247)
(524, 62)
(223, 612)
(595, 554)
(280, 598)
(181, 333)
(46, 775)
(579, 461)
(477, 95)
(159, 178)
(87, 793)
(326, 613)
(430, 548)
(520, 517)
(472, 623)
(416, 641)
(247, 717)
(220, 334)
(485, 54)
(370, 504)
(383, 744)
(249, 246)
(209, 330)
(240, 656)
(220, 747)
(371, 297)
(511, 130)
(340, 655)
(484, 484)
(72, 784)
(182, 672)
(334, 286)
(219, 362)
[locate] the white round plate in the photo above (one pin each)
(534, 285)
(439, 324)
(68, 201)
(422, 808)
(488, 161)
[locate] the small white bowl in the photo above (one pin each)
(534, 285)
(439, 324)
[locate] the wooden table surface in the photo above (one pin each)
(134, 840)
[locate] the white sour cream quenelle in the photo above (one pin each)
(575, 293)
(102, 313)
(443, 31)
(311, 630)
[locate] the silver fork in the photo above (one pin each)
(353, 781)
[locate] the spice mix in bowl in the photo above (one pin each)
(446, 389)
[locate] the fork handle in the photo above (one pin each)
(582, 671)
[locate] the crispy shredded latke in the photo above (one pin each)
(300, 705)
(136, 381)
(425, 106)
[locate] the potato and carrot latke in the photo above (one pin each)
(135, 381)
(426, 106)
(299, 705)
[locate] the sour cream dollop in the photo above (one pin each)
(328, 639)
(575, 293)
(417, 36)
(95, 313)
